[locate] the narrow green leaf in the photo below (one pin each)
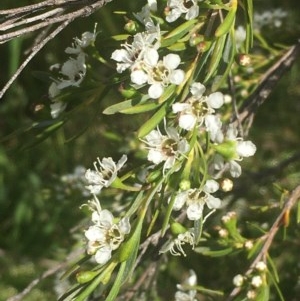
(141, 108)
(229, 20)
(213, 253)
(177, 33)
(151, 123)
(116, 108)
(117, 283)
(216, 57)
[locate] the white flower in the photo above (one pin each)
(196, 199)
(237, 150)
(198, 107)
(175, 245)
(105, 235)
(87, 38)
(166, 148)
(261, 266)
(74, 70)
(157, 73)
(256, 281)
(103, 175)
(238, 280)
(179, 7)
(134, 53)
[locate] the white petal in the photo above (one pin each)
(171, 61)
(106, 219)
(103, 255)
(215, 100)
(155, 91)
(151, 57)
(235, 169)
(192, 13)
(197, 89)
(124, 225)
(138, 77)
(94, 233)
(213, 125)
(212, 202)
(155, 156)
(194, 211)
(245, 148)
(179, 107)
(177, 77)
(211, 186)
(187, 121)
(120, 55)
(180, 200)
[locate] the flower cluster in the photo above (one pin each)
(73, 71)
(141, 57)
(105, 235)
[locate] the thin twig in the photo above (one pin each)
(269, 237)
(35, 50)
(64, 19)
(45, 275)
(268, 82)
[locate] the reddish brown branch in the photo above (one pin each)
(269, 237)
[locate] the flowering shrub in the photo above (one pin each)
(179, 67)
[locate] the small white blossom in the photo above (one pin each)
(135, 52)
(166, 148)
(105, 235)
(196, 199)
(179, 7)
(256, 281)
(103, 175)
(174, 246)
(261, 266)
(238, 280)
(240, 150)
(157, 73)
(198, 107)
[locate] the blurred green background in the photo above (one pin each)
(38, 210)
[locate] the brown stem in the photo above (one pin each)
(269, 237)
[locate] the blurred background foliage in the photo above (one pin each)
(39, 209)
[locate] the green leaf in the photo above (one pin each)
(173, 37)
(141, 108)
(151, 123)
(213, 253)
(216, 57)
(117, 283)
(116, 108)
(229, 20)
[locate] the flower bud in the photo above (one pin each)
(131, 27)
(177, 228)
(185, 185)
(85, 276)
(243, 59)
(196, 40)
(227, 149)
(126, 92)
